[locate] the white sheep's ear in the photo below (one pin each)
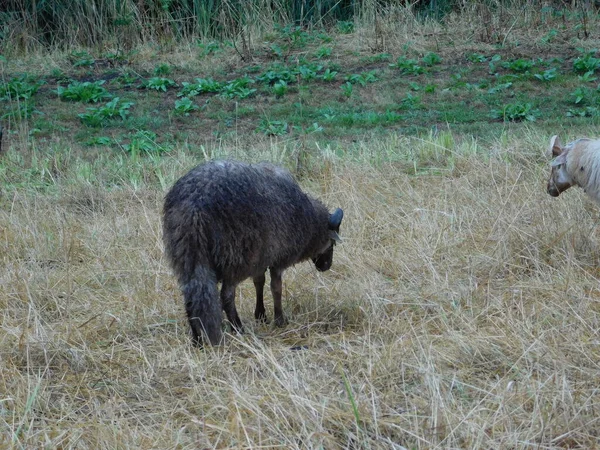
(555, 148)
(561, 159)
(335, 237)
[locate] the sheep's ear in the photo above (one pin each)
(335, 219)
(560, 159)
(334, 236)
(555, 148)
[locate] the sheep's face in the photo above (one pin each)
(560, 180)
(324, 258)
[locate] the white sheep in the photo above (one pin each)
(575, 164)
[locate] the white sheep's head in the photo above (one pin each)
(560, 180)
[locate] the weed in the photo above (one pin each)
(407, 66)
(493, 63)
(96, 117)
(185, 106)
(20, 111)
(588, 77)
(99, 140)
(519, 65)
(500, 87)
(588, 111)
(476, 58)
(586, 63)
(209, 48)
(381, 57)
(86, 92)
(238, 88)
(82, 59)
(280, 88)
(23, 87)
(323, 52)
(329, 75)
(158, 84)
(345, 26)
(144, 142)
(347, 89)
(431, 59)
(162, 70)
(547, 75)
(201, 86)
(581, 95)
(515, 112)
(549, 36)
(273, 127)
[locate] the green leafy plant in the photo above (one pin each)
(407, 66)
(276, 74)
(519, 65)
(162, 69)
(493, 63)
(329, 75)
(588, 111)
(23, 87)
(144, 142)
(96, 117)
(588, 77)
(323, 52)
(21, 111)
(431, 59)
(581, 95)
(586, 63)
(345, 26)
(185, 106)
(238, 88)
(201, 86)
(99, 140)
(347, 89)
(209, 48)
(476, 57)
(158, 84)
(280, 88)
(547, 75)
(363, 78)
(82, 59)
(515, 112)
(86, 92)
(273, 127)
(500, 87)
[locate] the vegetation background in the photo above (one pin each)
(463, 308)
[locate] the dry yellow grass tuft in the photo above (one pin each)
(462, 310)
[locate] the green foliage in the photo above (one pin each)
(500, 87)
(273, 127)
(587, 77)
(201, 86)
(586, 63)
(581, 95)
(347, 89)
(515, 112)
(329, 75)
(238, 88)
(23, 87)
(209, 48)
(407, 66)
(345, 26)
(99, 140)
(323, 52)
(86, 92)
(162, 70)
(82, 59)
(363, 78)
(308, 72)
(431, 59)
(20, 111)
(277, 73)
(476, 57)
(588, 111)
(96, 117)
(547, 75)
(519, 65)
(494, 60)
(158, 84)
(549, 36)
(185, 106)
(280, 88)
(144, 142)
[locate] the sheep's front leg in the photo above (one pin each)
(276, 288)
(228, 303)
(260, 314)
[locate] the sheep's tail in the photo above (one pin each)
(203, 305)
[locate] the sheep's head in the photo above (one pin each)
(560, 180)
(325, 257)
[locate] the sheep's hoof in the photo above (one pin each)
(261, 317)
(281, 321)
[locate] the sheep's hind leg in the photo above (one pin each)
(228, 303)
(260, 314)
(276, 290)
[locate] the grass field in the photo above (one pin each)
(461, 311)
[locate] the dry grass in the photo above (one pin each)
(462, 311)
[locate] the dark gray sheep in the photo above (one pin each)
(227, 221)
